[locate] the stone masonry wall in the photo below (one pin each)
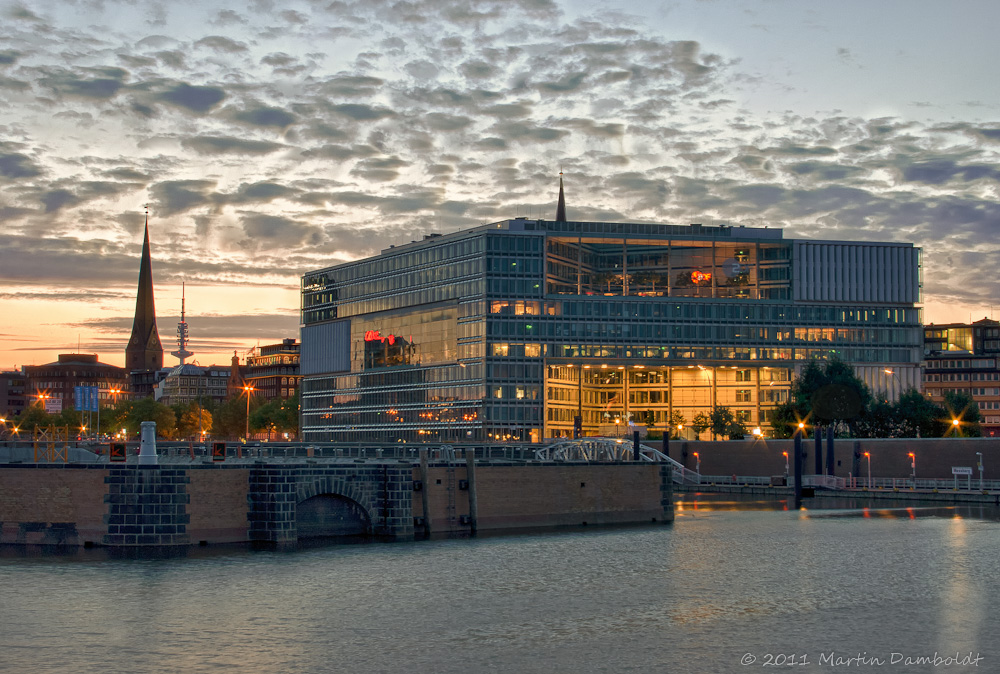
(147, 506)
(49, 504)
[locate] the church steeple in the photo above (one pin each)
(561, 207)
(144, 351)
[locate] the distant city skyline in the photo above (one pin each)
(273, 138)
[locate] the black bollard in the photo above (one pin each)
(635, 446)
(830, 465)
(818, 437)
(666, 444)
(798, 470)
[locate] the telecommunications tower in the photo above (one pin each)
(182, 335)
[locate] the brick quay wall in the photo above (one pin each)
(180, 504)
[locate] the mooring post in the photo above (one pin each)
(424, 497)
(830, 465)
(636, 454)
(470, 474)
(797, 448)
(818, 441)
(147, 445)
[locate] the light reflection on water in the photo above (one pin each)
(727, 578)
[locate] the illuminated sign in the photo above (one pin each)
(376, 336)
(700, 276)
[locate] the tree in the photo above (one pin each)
(230, 419)
(676, 421)
(917, 416)
(880, 420)
(724, 422)
(959, 406)
(648, 278)
(700, 424)
(148, 409)
(830, 394)
(193, 421)
(784, 419)
(33, 417)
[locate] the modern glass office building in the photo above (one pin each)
(530, 329)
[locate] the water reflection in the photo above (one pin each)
(690, 503)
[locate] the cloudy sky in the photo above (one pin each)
(274, 137)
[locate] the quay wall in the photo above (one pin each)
(935, 457)
(179, 504)
(538, 495)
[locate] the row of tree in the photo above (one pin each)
(201, 418)
(831, 394)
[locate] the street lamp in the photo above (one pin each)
(248, 389)
(954, 425)
(892, 372)
(785, 454)
(913, 469)
(868, 455)
(680, 427)
(980, 455)
(697, 463)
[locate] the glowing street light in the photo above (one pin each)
(680, 427)
(913, 469)
(868, 455)
(697, 463)
(785, 454)
(248, 389)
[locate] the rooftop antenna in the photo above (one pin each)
(182, 353)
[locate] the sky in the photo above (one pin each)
(270, 138)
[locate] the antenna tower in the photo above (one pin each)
(182, 335)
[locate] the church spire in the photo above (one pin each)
(144, 351)
(561, 207)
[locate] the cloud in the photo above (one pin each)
(194, 98)
(221, 44)
(265, 116)
(17, 165)
(230, 145)
(361, 112)
(177, 196)
(273, 230)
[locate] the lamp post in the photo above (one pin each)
(980, 462)
(913, 469)
(892, 372)
(868, 455)
(248, 389)
(954, 425)
(680, 427)
(112, 392)
(785, 454)
(697, 463)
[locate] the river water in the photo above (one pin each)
(728, 587)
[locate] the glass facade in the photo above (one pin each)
(525, 330)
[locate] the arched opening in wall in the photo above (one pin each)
(331, 516)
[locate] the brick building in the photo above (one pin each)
(964, 357)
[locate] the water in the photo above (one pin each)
(720, 583)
